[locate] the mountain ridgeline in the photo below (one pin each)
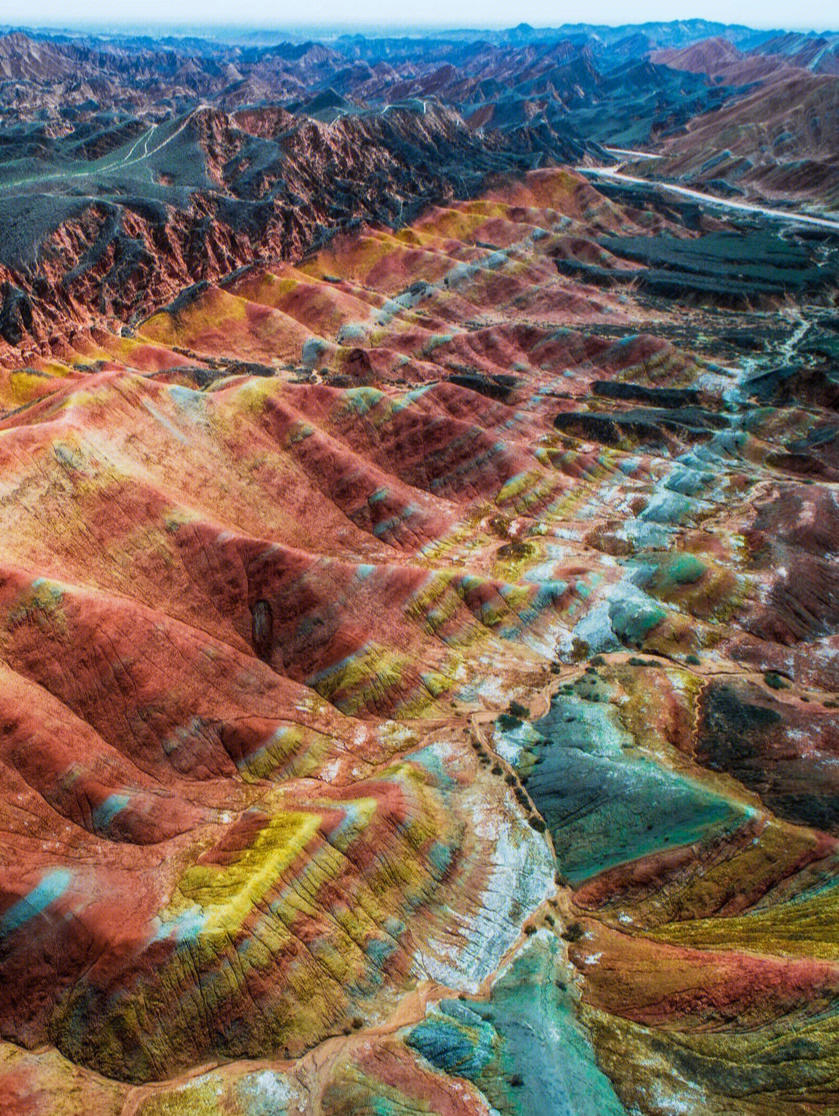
(130, 168)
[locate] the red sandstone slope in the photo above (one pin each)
(259, 623)
(312, 177)
(720, 60)
(779, 140)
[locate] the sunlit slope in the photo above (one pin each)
(419, 695)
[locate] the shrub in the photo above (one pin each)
(507, 723)
(775, 681)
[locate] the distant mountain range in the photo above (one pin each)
(177, 160)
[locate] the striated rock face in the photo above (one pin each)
(419, 677)
(228, 190)
(776, 137)
(131, 169)
(778, 141)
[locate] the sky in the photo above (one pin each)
(804, 14)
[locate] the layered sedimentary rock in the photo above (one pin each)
(419, 682)
(778, 141)
(775, 137)
(91, 236)
(131, 168)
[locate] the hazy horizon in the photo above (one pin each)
(206, 16)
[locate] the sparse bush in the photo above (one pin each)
(774, 680)
(507, 723)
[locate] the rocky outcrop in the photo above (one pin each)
(240, 198)
(417, 683)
